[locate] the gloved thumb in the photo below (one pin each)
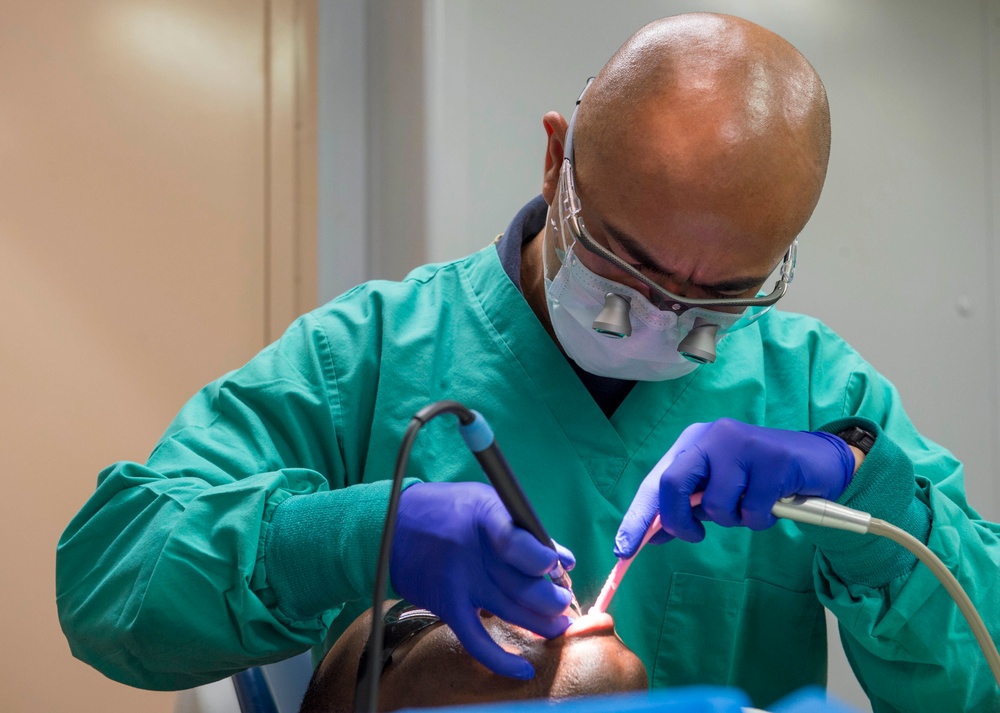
(468, 627)
(646, 503)
(566, 558)
(637, 520)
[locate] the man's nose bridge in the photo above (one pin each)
(616, 274)
(620, 276)
(671, 285)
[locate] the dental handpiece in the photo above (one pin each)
(479, 438)
(811, 510)
(817, 511)
(814, 511)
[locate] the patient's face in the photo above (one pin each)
(433, 669)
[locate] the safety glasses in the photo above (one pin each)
(572, 220)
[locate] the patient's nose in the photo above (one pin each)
(591, 624)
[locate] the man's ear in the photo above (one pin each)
(555, 128)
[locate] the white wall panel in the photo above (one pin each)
(342, 219)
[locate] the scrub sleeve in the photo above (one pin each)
(215, 555)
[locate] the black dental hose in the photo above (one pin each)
(366, 691)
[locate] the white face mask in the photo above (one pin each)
(575, 296)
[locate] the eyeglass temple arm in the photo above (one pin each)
(572, 121)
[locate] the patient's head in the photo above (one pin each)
(431, 668)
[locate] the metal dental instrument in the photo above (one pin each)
(479, 438)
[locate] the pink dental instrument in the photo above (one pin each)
(619, 570)
(621, 567)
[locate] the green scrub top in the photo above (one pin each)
(251, 533)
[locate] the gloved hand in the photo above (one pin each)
(742, 469)
(456, 551)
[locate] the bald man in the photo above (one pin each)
(429, 667)
(620, 338)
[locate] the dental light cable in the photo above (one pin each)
(366, 690)
(479, 439)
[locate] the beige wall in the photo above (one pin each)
(154, 231)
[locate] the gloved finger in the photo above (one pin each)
(510, 610)
(516, 547)
(536, 594)
(566, 558)
(688, 474)
(722, 501)
(465, 622)
(761, 495)
(639, 516)
(645, 505)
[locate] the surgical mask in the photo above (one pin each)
(662, 336)
(576, 296)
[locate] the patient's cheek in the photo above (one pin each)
(590, 624)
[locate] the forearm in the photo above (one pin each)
(884, 486)
(154, 573)
(906, 638)
(322, 549)
(909, 643)
(171, 583)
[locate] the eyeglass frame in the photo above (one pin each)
(660, 297)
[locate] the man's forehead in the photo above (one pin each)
(731, 124)
(720, 229)
(734, 276)
(715, 241)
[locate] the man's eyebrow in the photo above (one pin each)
(635, 249)
(639, 253)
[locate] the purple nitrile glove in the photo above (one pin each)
(456, 551)
(742, 469)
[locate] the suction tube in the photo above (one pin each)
(816, 511)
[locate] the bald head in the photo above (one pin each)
(746, 81)
(711, 102)
(706, 139)
(433, 669)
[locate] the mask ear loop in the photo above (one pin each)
(751, 315)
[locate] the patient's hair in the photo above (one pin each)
(431, 668)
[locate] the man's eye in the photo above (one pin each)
(648, 270)
(712, 293)
(727, 294)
